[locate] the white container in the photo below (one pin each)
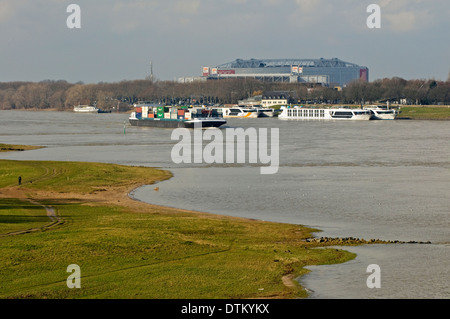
(145, 111)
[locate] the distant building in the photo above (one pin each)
(191, 79)
(252, 101)
(270, 99)
(329, 72)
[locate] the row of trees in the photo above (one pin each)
(63, 95)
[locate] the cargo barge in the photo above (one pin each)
(173, 117)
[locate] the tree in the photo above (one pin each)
(74, 96)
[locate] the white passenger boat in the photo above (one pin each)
(239, 112)
(297, 113)
(85, 109)
(380, 113)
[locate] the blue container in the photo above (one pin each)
(180, 117)
(139, 115)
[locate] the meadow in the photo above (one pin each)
(127, 249)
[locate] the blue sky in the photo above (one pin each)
(119, 38)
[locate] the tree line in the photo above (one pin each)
(62, 95)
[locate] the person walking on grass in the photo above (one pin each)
(20, 180)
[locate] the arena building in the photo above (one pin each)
(329, 72)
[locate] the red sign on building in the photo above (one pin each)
(363, 75)
(205, 71)
(226, 71)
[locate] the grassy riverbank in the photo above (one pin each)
(424, 113)
(15, 148)
(129, 249)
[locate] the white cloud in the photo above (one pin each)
(409, 15)
(403, 21)
(308, 6)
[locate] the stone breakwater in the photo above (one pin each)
(358, 241)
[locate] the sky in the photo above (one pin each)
(118, 39)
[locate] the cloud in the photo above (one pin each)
(402, 21)
(132, 15)
(272, 2)
(188, 6)
(308, 6)
(400, 16)
(406, 16)
(8, 9)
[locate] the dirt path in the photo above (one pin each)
(14, 192)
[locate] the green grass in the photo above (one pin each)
(10, 172)
(17, 215)
(66, 177)
(145, 252)
(425, 113)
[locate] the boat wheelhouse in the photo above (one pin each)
(382, 113)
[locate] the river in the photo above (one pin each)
(379, 179)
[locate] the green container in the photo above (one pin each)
(160, 109)
(160, 115)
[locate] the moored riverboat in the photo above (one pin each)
(300, 113)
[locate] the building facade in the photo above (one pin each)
(329, 72)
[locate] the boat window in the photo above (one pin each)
(343, 114)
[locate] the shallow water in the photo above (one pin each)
(377, 179)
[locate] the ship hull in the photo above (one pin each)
(167, 123)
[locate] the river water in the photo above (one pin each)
(380, 179)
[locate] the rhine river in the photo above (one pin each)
(378, 179)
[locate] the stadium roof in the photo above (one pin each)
(270, 63)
